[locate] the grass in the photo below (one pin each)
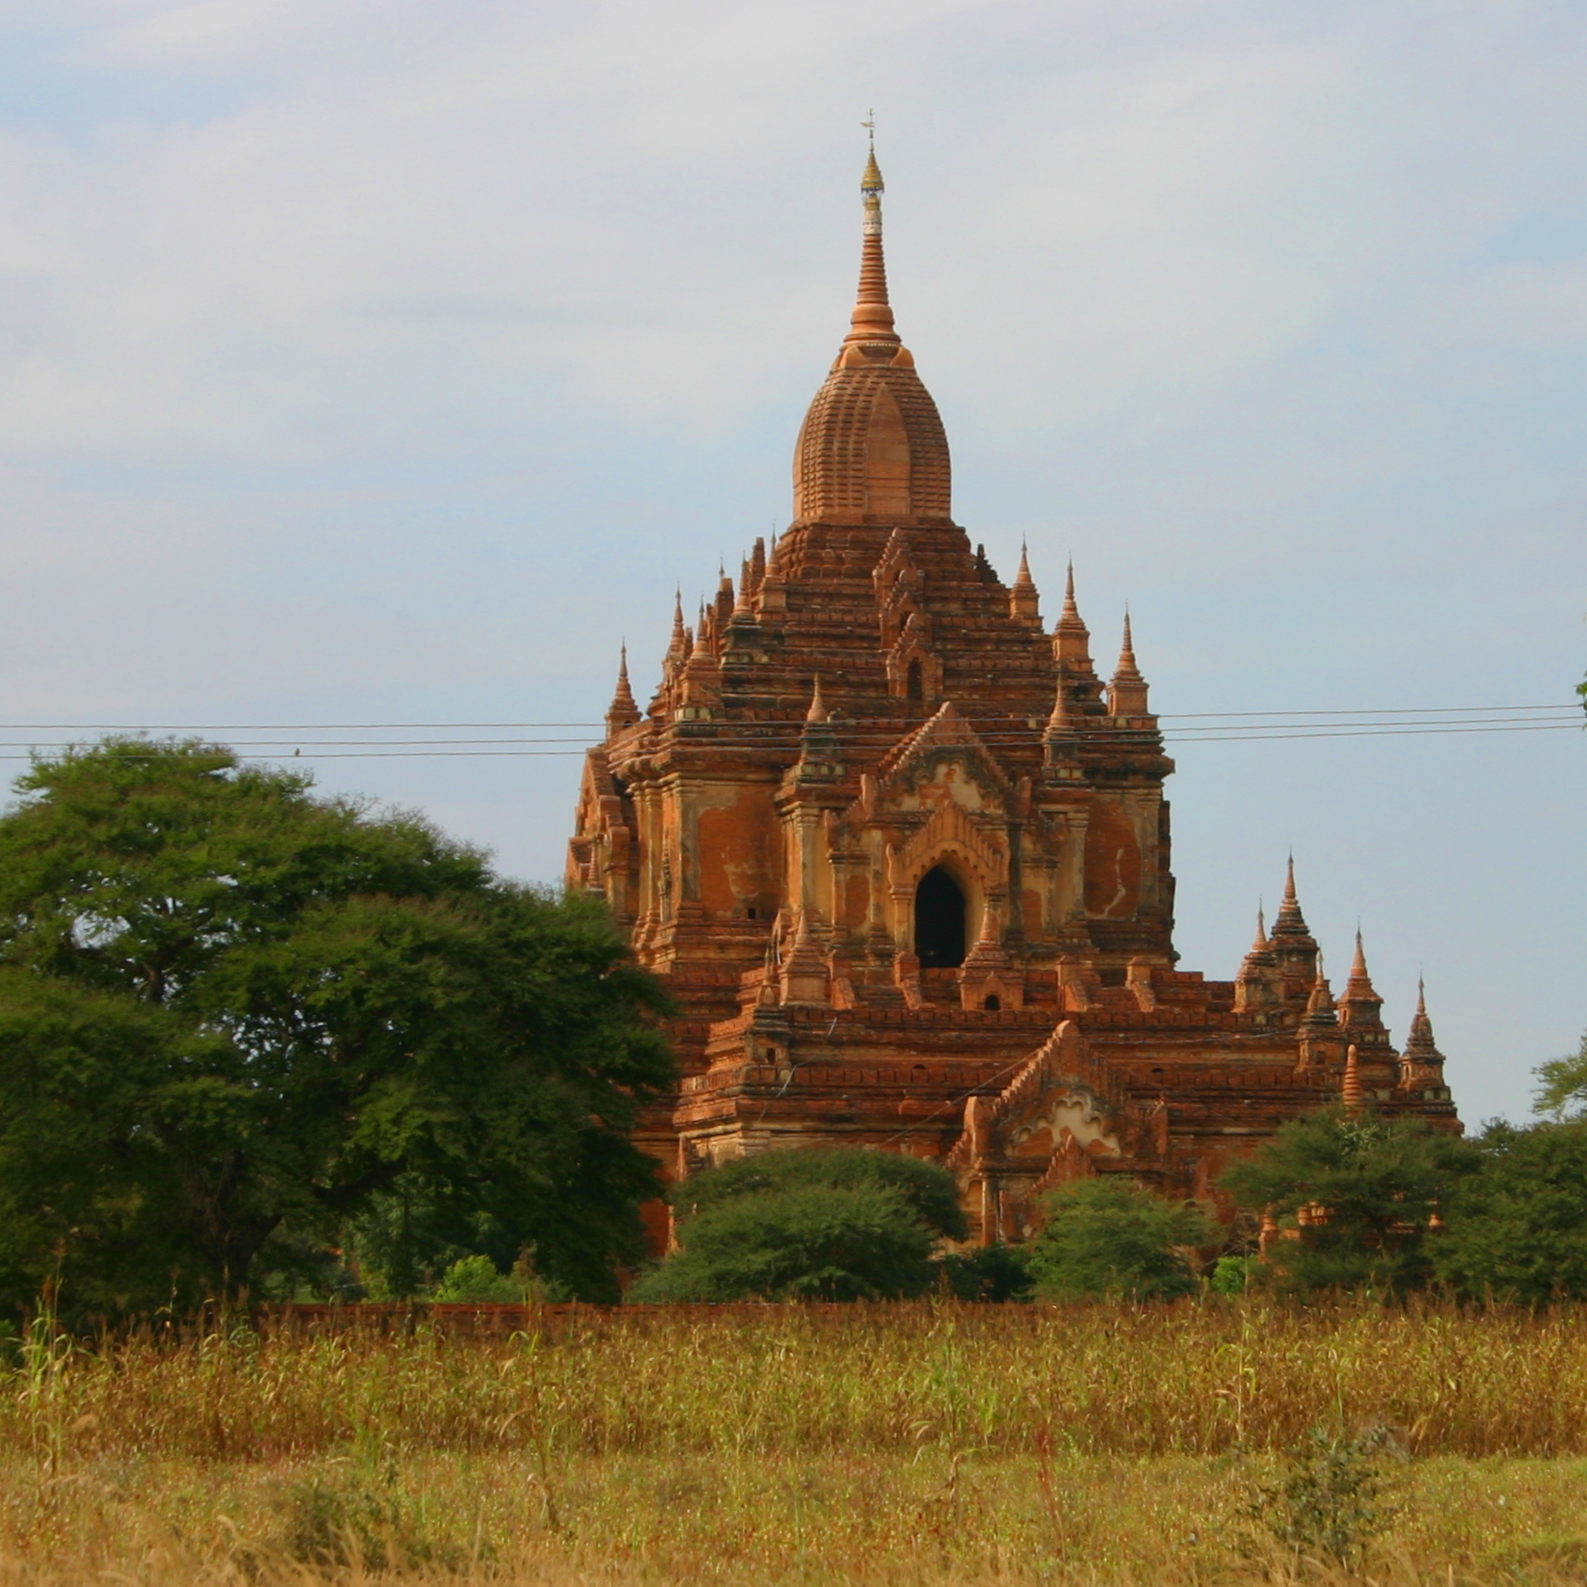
(881, 1444)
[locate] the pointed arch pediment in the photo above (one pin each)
(947, 739)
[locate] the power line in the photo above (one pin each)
(447, 727)
(443, 750)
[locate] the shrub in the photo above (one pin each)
(819, 1242)
(477, 1279)
(1110, 1237)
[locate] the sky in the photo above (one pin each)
(384, 362)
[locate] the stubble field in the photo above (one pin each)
(1199, 1443)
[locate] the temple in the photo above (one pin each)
(901, 854)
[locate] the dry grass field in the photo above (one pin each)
(886, 1444)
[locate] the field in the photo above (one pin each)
(1201, 1443)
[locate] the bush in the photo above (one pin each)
(989, 1273)
(819, 1242)
(929, 1191)
(1326, 1502)
(1110, 1237)
(834, 1223)
(477, 1279)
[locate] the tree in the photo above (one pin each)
(232, 1011)
(1109, 1237)
(827, 1224)
(1518, 1225)
(1369, 1187)
(1563, 1092)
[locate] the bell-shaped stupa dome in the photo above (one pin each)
(872, 447)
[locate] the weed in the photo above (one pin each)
(1327, 1502)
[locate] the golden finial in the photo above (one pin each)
(871, 182)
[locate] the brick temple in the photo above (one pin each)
(901, 855)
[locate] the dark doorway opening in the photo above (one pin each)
(939, 921)
(914, 683)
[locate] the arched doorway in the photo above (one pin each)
(939, 921)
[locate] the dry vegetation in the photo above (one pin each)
(912, 1443)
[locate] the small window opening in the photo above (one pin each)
(914, 683)
(939, 921)
(749, 913)
(993, 1003)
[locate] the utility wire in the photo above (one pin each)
(441, 750)
(373, 727)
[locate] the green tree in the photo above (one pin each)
(827, 1224)
(1109, 1237)
(232, 1011)
(1378, 1183)
(1563, 1089)
(1518, 1225)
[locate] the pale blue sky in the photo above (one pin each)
(370, 360)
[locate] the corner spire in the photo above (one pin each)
(1127, 691)
(1422, 1057)
(1022, 598)
(622, 712)
(679, 644)
(1071, 637)
(1359, 1006)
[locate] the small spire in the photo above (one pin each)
(1320, 1002)
(1360, 1004)
(1351, 1093)
(1127, 691)
(1289, 923)
(1253, 985)
(818, 707)
(1071, 638)
(1022, 599)
(1420, 1047)
(623, 711)
(679, 645)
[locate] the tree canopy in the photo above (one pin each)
(1517, 1226)
(1562, 1091)
(231, 1011)
(1376, 1184)
(819, 1224)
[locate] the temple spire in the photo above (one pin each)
(622, 712)
(1127, 691)
(1071, 638)
(872, 319)
(1022, 599)
(1360, 1006)
(679, 644)
(1421, 1059)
